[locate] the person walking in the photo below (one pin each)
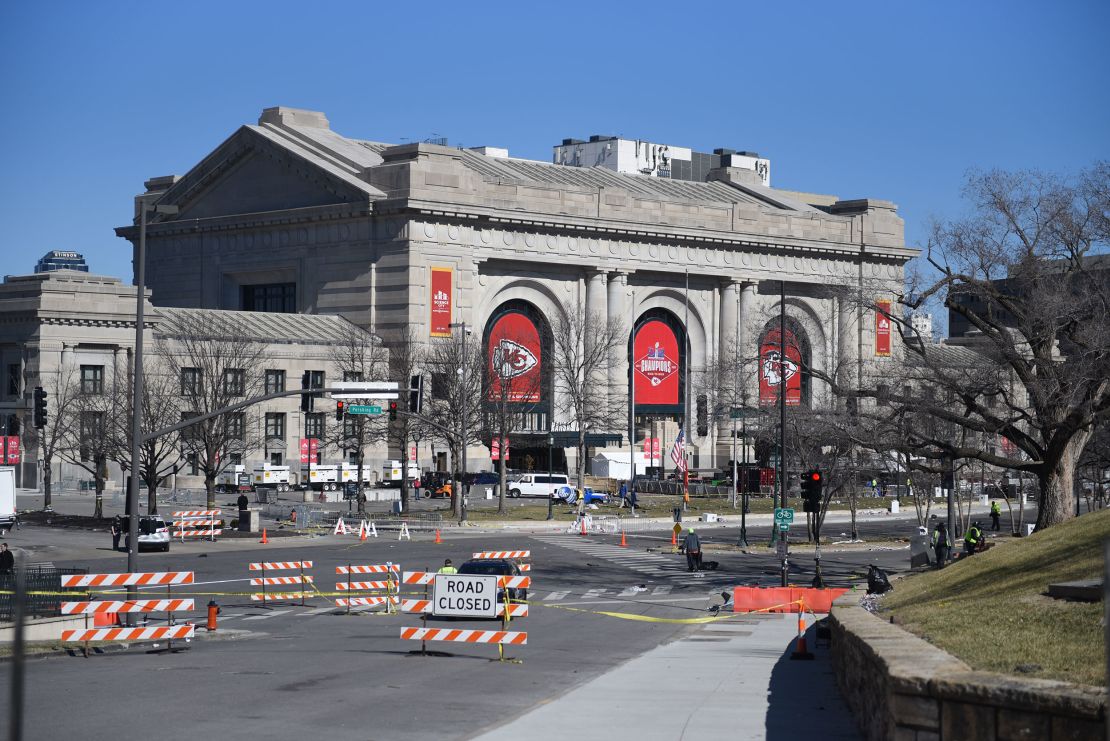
(692, 545)
(623, 493)
(117, 532)
(942, 544)
(447, 567)
(7, 559)
(242, 503)
(973, 539)
(996, 512)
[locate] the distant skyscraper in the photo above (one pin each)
(923, 325)
(61, 260)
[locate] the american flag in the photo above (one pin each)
(678, 452)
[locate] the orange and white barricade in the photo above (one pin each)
(506, 610)
(99, 609)
(371, 589)
(194, 523)
(301, 579)
(513, 555)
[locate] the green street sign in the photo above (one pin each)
(784, 516)
(363, 409)
(784, 527)
(739, 413)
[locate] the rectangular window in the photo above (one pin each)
(193, 464)
(314, 425)
(350, 376)
(275, 380)
(272, 297)
(275, 425)
(190, 381)
(234, 381)
(191, 433)
(92, 433)
(234, 425)
(349, 429)
(316, 379)
(92, 379)
(14, 378)
(236, 459)
(275, 459)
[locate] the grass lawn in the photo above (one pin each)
(992, 612)
(654, 506)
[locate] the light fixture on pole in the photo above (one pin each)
(145, 205)
(464, 397)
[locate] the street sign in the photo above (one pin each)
(363, 409)
(677, 528)
(739, 413)
(784, 527)
(365, 390)
(464, 595)
(784, 516)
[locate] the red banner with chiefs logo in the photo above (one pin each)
(310, 448)
(441, 302)
(514, 359)
(772, 369)
(655, 354)
(882, 329)
(12, 454)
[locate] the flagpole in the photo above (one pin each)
(686, 401)
(632, 399)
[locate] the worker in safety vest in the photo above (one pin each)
(447, 568)
(973, 539)
(942, 544)
(996, 512)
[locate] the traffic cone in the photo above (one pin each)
(800, 651)
(674, 539)
(362, 533)
(624, 543)
(264, 538)
(438, 539)
(583, 521)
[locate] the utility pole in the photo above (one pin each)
(782, 422)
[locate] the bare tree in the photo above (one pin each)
(454, 410)
(217, 365)
(583, 346)
(88, 442)
(1025, 275)
(360, 356)
(404, 364)
(62, 391)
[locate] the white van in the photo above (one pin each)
(537, 484)
(7, 499)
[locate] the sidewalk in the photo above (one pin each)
(732, 679)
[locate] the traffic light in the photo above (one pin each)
(40, 407)
(811, 491)
(392, 411)
(306, 399)
(340, 408)
(416, 393)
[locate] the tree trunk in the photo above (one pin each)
(210, 490)
(360, 494)
(1057, 480)
(47, 481)
(98, 507)
(501, 483)
(581, 471)
(152, 496)
(405, 473)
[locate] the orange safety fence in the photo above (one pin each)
(783, 599)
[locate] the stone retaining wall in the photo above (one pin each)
(903, 688)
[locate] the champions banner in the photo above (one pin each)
(882, 329)
(514, 359)
(655, 353)
(441, 302)
(772, 372)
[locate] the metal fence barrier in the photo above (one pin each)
(38, 579)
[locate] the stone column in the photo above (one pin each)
(730, 315)
(749, 353)
(597, 309)
(846, 340)
(618, 363)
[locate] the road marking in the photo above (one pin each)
(275, 613)
(594, 593)
(317, 611)
(662, 589)
(555, 595)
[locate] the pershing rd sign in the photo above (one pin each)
(464, 595)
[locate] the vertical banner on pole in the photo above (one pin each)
(882, 328)
(441, 286)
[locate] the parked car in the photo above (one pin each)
(483, 478)
(154, 533)
(537, 484)
(497, 567)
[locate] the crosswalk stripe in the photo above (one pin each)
(273, 614)
(555, 595)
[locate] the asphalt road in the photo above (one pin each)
(287, 671)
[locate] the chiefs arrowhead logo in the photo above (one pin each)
(770, 370)
(512, 360)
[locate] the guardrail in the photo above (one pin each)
(41, 587)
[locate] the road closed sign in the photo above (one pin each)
(464, 595)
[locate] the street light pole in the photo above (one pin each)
(137, 389)
(464, 436)
(550, 494)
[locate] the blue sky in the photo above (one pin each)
(892, 100)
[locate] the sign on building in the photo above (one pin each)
(514, 359)
(464, 595)
(655, 354)
(440, 303)
(882, 329)
(775, 372)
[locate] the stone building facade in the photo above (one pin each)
(288, 215)
(73, 333)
